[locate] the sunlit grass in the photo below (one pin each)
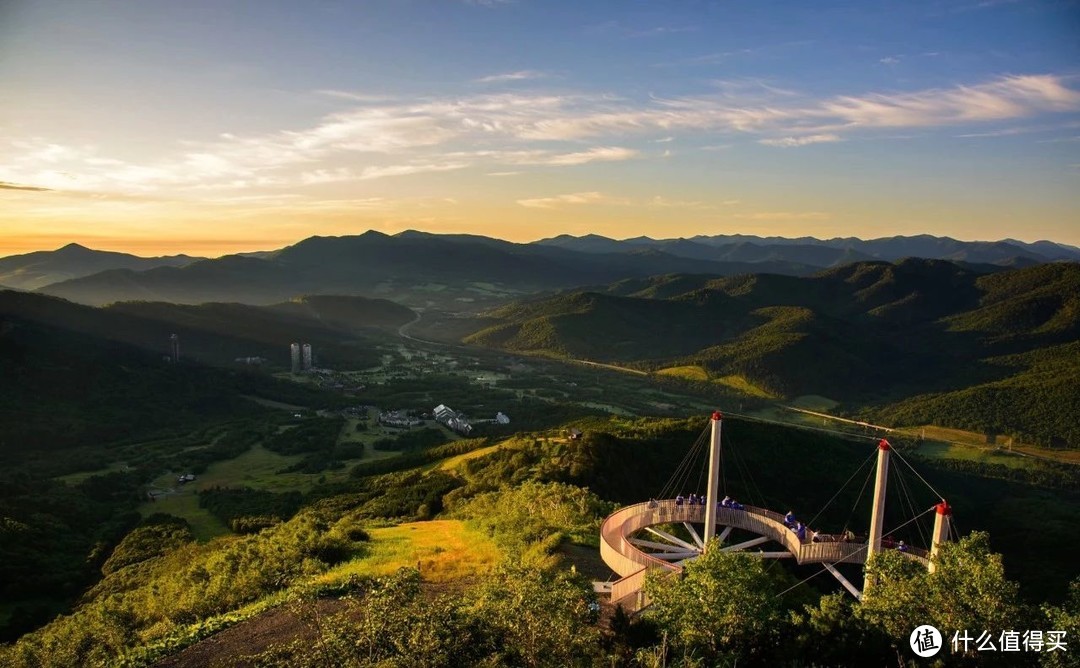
(684, 372)
(454, 462)
(185, 504)
(944, 442)
(741, 384)
(444, 550)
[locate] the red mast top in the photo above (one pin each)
(717, 416)
(884, 445)
(944, 508)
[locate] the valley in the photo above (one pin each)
(314, 475)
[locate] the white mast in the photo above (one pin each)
(714, 478)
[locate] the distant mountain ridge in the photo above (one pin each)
(829, 252)
(411, 267)
(458, 271)
(35, 270)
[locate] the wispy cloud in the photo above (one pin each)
(405, 170)
(598, 154)
(659, 201)
(380, 137)
(4, 185)
(559, 201)
(790, 142)
(520, 75)
(890, 60)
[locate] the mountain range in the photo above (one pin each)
(40, 268)
(919, 341)
(829, 252)
(462, 271)
(411, 267)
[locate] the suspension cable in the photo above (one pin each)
(852, 477)
(907, 497)
(864, 547)
(908, 464)
(847, 522)
(800, 582)
(691, 455)
(694, 465)
(807, 427)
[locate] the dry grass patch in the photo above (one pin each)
(444, 550)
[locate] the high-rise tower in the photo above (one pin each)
(294, 356)
(307, 357)
(174, 348)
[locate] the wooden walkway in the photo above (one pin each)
(631, 563)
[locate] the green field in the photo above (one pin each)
(258, 468)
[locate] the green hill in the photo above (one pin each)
(914, 342)
(218, 333)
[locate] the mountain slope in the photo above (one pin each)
(931, 335)
(35, 270)
(217, 333)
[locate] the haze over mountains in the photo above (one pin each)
(424, 269)
(38, 269)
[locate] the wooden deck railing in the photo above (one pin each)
(631, 563)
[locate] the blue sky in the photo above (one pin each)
(210, 127)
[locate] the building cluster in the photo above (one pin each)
(399, 419)
(300, 356)
(174, 349)
(250, 361)
(452, 420)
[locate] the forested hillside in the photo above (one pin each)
(539, 499)
(218, 333)
(917, 341)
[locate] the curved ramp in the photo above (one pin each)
(631, 563)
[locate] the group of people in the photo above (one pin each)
(729, 502)
(890, 542)
(692, 500)
(699, 500)
(795, 525)
(790, 521)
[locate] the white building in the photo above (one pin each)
(307, 357)
(502, 418)
(294, 355)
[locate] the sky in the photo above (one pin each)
(217, 126)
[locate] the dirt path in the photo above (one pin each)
(235, 645)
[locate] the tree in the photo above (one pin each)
(1064, 618)
(832, 634)
(967, 591)
(723, 606)
(538, 618)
